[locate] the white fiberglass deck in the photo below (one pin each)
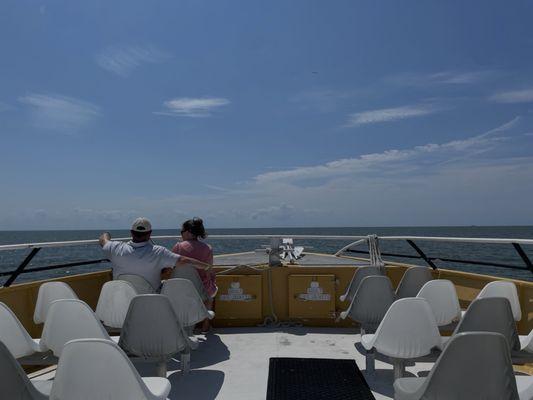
(308, 260)
(232, 363)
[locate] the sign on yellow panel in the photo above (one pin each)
(312, 296)
(239, 296)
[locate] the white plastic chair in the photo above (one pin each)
(494, 314)
(141, 285)
(68, 320)
(474, 365)
(191, 273)
(442, 298)
(412, 281)
(113, 303)
(408, 330)
(99, 370)
(503, 289)
(15, 382)
(357, 278)
(49, 292)
(14, 335)
(151, 331)
(186, 302)
(371, 302)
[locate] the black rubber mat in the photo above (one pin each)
(316, 378)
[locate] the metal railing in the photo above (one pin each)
(410, 240)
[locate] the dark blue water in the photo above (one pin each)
(502, 253)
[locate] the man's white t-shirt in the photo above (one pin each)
(145, 259)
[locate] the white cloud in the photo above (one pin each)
(192, 107)
(389, 114)
(470, 181)
(60, 113)
(515, 96)
(388, 161)
(443, 77)
(123, 60)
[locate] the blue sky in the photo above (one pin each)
(257, 114)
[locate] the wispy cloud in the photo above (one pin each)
(123, 60)
(192, 107)
(389, 114)
(60, 113)
(389, 160)
(514, 96)
(443, 78)
(461, 182)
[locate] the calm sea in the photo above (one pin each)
(497, 253)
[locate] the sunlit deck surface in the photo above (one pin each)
(232, 363)
(310, 259)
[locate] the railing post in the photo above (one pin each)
(21, 267)
(523, 255)
(422, 254)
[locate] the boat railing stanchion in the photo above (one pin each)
(421, 254)
(21, 267)
(523, 256)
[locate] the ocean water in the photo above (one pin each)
(501, 253)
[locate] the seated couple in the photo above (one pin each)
(142, 257)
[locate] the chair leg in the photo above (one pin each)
(399, 367)
(185, 362)
(370, 360)
(161, 369)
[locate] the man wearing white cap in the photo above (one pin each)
(140, 256)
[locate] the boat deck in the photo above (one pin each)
(309, 259)
(232, 363)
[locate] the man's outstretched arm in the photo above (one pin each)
(187, 260)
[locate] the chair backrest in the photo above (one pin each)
(360, 274)
(97, 369)
(14, 335)
(503, 289)
(408, 330)
(189, 272)
(185, 300)
(141, 285)
(474, 365)
(491, 314)
(15, 382)
(114, 301)
(442, 298)
(49, 292)
(412, 281)
(68, 320)
(372, 300)
(151, 329)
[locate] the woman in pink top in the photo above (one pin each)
(191, 231)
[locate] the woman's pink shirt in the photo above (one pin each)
(202, 252)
